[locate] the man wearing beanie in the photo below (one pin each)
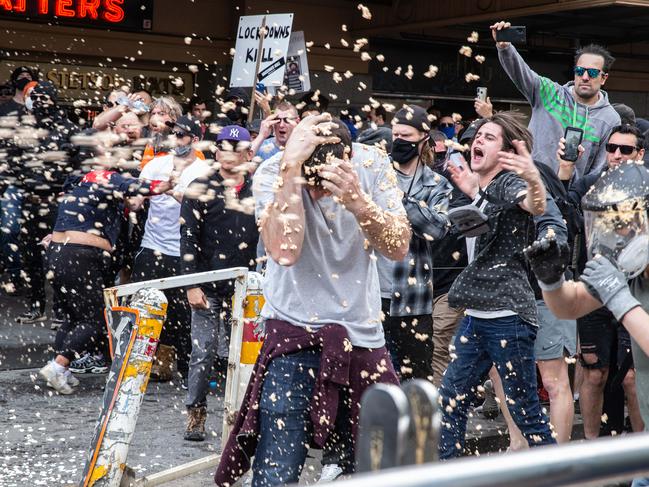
(406, 285)
(215, 234)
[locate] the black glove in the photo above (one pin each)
(549, 260)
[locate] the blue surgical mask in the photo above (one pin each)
(448, 131)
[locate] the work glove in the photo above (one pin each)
(607, 283)
(549, 260)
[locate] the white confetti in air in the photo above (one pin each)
(365, 12)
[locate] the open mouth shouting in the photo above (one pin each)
(477, 155)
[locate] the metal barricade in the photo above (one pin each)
(134, 334)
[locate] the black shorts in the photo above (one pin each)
(600, 333)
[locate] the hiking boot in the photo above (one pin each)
(196, 424)
(489, 408)
(55, 378)
(330, 472)
(34, 315)
(89, 364)
(163, 362)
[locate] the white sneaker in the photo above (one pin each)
(71, 379)
(55, 379)
(330, 472)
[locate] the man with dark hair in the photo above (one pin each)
(500, 323)
(198, 110)
(378, 132)
(580, 103)
(599, 331)
(406, 285)
(323, 346)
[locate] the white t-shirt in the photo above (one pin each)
(162, 229)
(335, 279)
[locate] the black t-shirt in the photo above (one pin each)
(497, 279)
(11, 107)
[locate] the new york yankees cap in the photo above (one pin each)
(234, 132)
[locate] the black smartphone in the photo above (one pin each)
(516, 34)
(573, 138)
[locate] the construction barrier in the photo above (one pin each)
(134, 331)
(245, 344)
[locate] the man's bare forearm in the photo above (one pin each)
(570, 301)
(282, 225)
(386, 232)
(535, 199)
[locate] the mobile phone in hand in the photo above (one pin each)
(573, 136)
(516, 34)
(482, 93)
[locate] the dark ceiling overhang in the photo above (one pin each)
(608, 20)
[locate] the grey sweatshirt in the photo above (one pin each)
(554, 108)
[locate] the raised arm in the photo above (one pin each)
(525, 78)
(282, 219)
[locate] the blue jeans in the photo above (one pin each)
(9, 232)
(507, 343)
(284, 421)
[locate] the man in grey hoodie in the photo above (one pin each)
(580, 103)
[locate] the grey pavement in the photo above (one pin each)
(44, 437)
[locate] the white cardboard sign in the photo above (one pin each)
(273, 52)
(296, 76)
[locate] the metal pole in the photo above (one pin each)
(586, 463)
(262, 35)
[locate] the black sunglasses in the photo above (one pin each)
(180, 135)
(592, 72)
(624, 149)
(446, 125)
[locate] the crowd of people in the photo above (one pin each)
(475, 254)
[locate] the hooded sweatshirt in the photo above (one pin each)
(554, 108)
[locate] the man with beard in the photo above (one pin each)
(164, 113)
(159, 254)
(580, 103)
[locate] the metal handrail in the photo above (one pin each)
(578, 463)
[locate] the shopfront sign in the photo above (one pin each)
(93, 83)
(131, 15)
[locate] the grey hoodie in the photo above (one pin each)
(554, 108)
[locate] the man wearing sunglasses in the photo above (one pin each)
(580, 103)
(598, 331)
(280, 124)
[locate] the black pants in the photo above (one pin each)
(409, 339)
(38, 216)
(78, 273)
(176, 331)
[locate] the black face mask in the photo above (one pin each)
(21, 83)
(403, 151)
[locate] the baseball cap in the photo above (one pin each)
(188, 125)
(413, 116)
(233, 132)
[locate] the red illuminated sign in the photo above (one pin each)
(125, 14)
